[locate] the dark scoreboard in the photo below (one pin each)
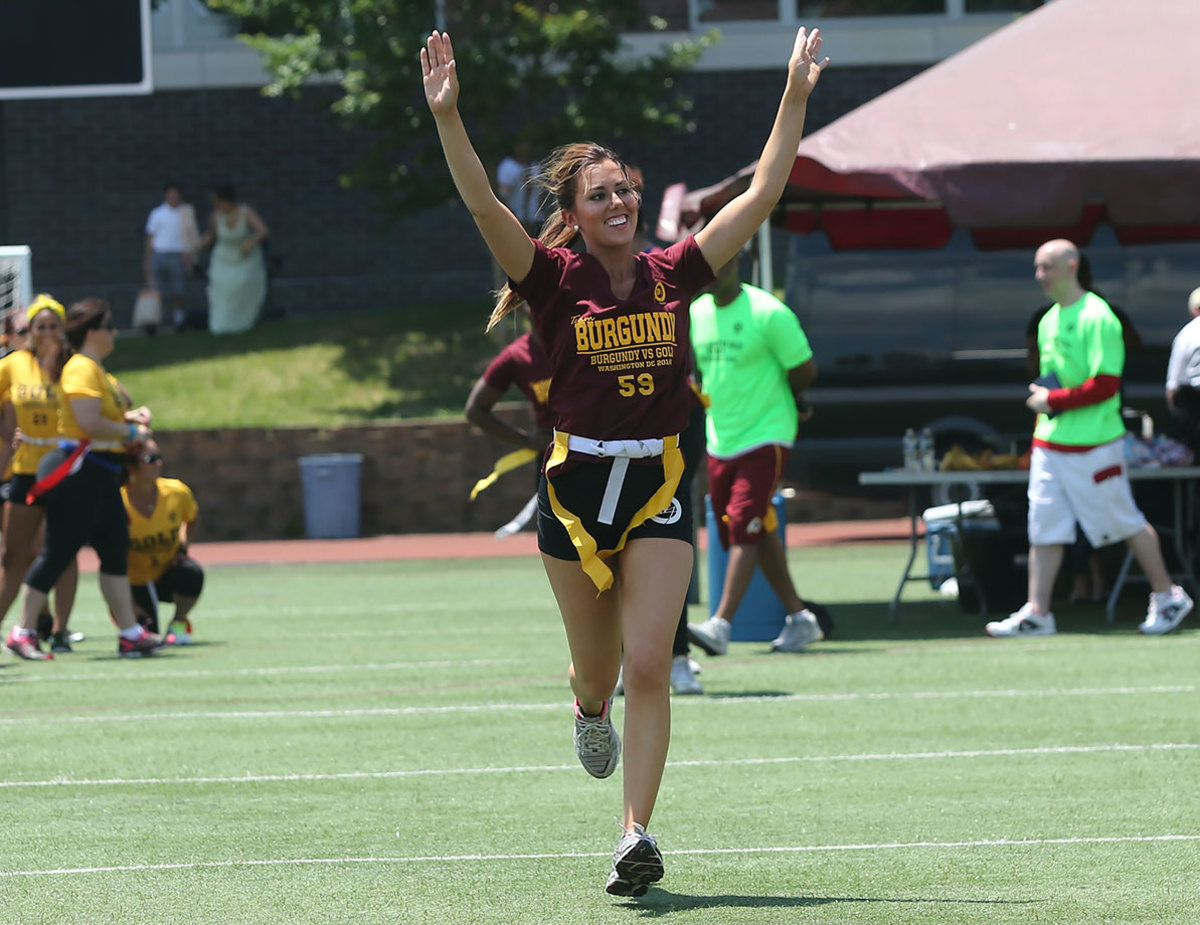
(60, 48)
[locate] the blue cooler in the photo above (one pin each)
(939, 547)
(761, 615)
(941, 533)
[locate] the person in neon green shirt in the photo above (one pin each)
(1077, 467)
(754, 362)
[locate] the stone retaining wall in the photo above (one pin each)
(416, 476)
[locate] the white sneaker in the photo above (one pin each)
(801, 629)
(1023, 623)
(637, 863)
(596, 741)
(1166, 611)
(712, 635)
(683, 680)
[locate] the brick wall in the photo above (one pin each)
(415, 476)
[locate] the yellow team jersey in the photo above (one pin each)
(123, 398)
(154, 540)
(83, 377)
(24, 384)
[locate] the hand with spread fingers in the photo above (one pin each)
(439, 73)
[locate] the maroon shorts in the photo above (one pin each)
(741, 489)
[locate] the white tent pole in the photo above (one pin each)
(766, 272)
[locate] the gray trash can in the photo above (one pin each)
(332, 502)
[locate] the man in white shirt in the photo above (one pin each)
(171, 236)
(1183, 373)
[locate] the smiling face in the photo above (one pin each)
(46, 329)
(605, 207)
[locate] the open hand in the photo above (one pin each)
(439, 73)
(806, 64)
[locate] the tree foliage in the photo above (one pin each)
(549, 72)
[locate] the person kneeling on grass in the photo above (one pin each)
(161, 514)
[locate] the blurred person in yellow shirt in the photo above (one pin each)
(80, 480)
(161, 514)
(29, 393)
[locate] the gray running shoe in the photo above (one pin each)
(596, 741)
(712, 635)
(800, 630)
(637, 863)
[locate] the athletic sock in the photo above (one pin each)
(132, 632)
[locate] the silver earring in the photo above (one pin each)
(575, 227)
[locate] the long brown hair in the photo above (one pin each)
(83, 316)
(559, 177)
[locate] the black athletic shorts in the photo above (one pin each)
(580, 489)
(17, 487)
(184, 577)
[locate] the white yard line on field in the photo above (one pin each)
(52, 719)
(572, 855)
(721, 762)
(279, 671)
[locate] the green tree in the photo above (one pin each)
(549, 72)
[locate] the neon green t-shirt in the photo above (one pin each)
(1077, 342)
(744, 351)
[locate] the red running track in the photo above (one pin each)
(479, 545)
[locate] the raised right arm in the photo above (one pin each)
(502, 232)
(721, 239)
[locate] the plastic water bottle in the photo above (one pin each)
(927, 461)
(911, 461)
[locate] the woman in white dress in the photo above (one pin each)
(237, 275)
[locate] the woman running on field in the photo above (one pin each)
(614, 533)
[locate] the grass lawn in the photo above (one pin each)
(311, 371)
(390, 743)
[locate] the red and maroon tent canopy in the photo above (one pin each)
(1080, 112)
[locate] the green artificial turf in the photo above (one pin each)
(392, 743)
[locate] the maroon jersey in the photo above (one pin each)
(620, 365)
(524, 363)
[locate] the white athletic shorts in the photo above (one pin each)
(1091, 489)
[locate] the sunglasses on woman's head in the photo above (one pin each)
(150, 458)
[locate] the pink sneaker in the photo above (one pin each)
(26, 647)
(145, 644)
